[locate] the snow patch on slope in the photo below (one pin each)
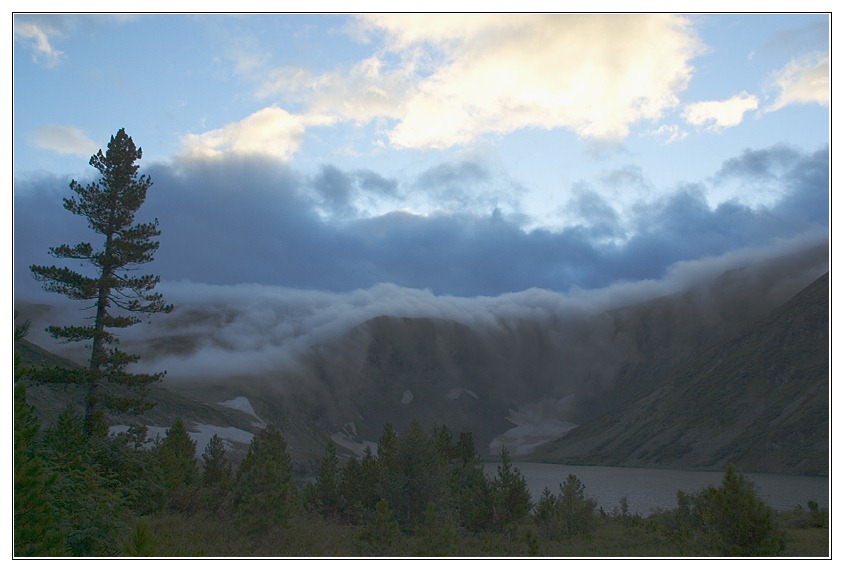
(536, 424)
(243, 404)
(456, 393)
(202, 434)
(348, 438)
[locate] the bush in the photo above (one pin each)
(729, 520)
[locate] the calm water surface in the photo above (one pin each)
(649, 490)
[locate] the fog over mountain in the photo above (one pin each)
(226, 330)
(517, 369)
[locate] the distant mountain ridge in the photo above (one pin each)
(637, 380)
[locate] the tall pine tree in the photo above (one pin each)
(118, 297)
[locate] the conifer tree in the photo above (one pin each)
(117, 296)
(434, 538)
(177, 458)
(390, 470)
(574, 509)
(423, 478)
(382, 532)
(512, 498)
(93, 501)
(545, 513)
(216, 475)
(327, 484)
(216, 469)
(352, 491)
(370, 473)
(37, 516)
(143, 541)
(265, 493)
(740, 522)
(471, 489)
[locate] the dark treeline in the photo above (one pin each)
(423, 493)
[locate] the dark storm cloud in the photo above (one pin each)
(801, 205)
(452, 174)
(589, 206)
(760, 164)
(243, 221)
(375, 183)
(335, 190)
(462, 185)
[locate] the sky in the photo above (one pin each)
(455, 155)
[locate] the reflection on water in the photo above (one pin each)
(649, 489)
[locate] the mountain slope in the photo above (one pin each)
(758, 400)
(524, 375)
(49, 400)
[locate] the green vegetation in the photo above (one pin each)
(423, 494)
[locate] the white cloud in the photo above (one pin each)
(365, 91)
(446, 79)
(803, 80)
(36, 36)
(717, 115)
(270, 132)
(63, 139)
(595, 75)
(669, 133)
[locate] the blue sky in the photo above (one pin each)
(460, 154)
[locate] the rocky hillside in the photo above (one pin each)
(758, 400)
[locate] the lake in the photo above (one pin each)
(651, 489)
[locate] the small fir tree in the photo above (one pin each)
(327, 491)
(512, 498)
(37, 514)
(265, 493)
(143, 541)
(352, 491)
(575, 511)
(433, 538)
(216, 468)
(94, 501)
(422, 476)
(740, 521)
(471, 490)
(177, 458)
(382, 533)
(545, 513)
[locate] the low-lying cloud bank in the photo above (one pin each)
(219, 331)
